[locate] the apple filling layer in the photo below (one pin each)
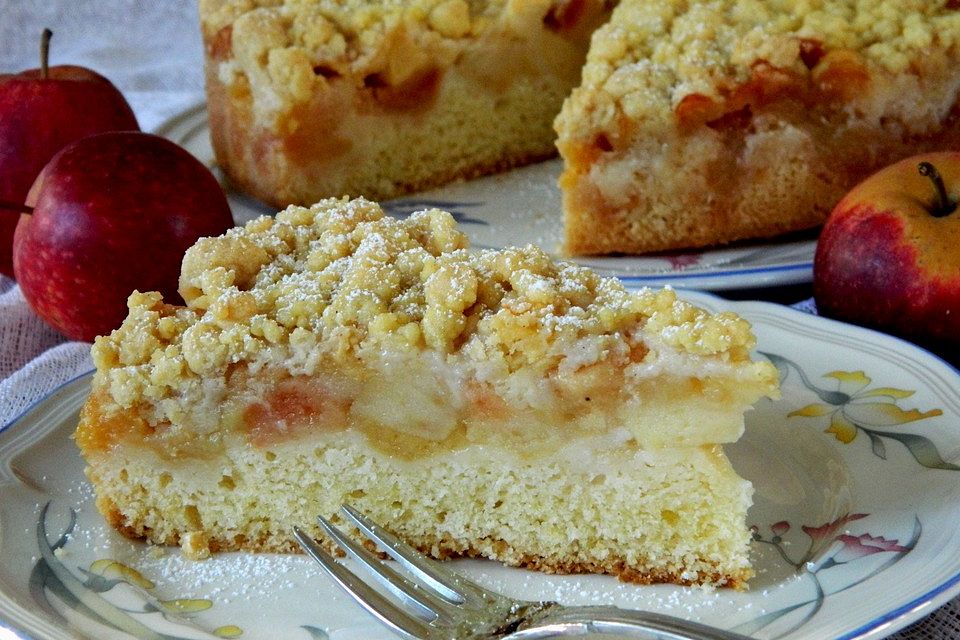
(415, 409)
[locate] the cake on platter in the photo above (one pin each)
(496, 404)
(700, 123)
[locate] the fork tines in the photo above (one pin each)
(441, 605)
(435, 603)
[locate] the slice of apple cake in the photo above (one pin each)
(491, 403)
(700, 123)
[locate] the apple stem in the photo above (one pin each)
(15, 206)
(45, 53)
(944, 206)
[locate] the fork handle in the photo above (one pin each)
(578, 621)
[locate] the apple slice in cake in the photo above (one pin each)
(492, 403)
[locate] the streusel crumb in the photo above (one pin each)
(659, 52)
(289, 49)
(342, 279)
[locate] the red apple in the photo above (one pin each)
(41, 111)
(889, 254)
(112, 213)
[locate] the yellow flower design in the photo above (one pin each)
(113, 572)
(853, 408)
(112, 569)
(861, 407)
(228, 631)
(186, 605)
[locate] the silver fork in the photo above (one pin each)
(446, 606)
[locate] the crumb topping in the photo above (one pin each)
(659, 52)
(289, 49)
(342, 283)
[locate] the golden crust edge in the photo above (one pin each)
(438, 548)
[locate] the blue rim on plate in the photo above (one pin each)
(33, 405)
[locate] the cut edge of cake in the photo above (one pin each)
(556, 517)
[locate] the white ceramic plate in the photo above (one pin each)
(523, 206)
(857, 464)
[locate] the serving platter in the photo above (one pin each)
(855, 469)
(524, 206)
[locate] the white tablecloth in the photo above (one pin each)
(152, 52)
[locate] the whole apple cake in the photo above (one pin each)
(700, 123)
(376, 98)
(494, 403)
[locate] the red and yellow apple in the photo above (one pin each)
(888, 256)
(41, 111)
(112, 212)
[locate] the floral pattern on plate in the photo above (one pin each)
(853, 407)
(132, 609)
(829, 546)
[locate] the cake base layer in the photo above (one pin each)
(674, 515)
